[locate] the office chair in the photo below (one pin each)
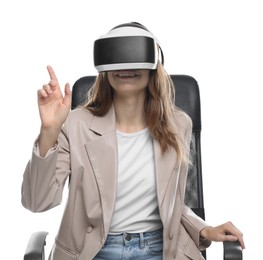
(188, 99)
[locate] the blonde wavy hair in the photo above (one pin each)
(159, 108)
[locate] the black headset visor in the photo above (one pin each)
(126, 52)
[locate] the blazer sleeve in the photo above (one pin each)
(44, 177)
(193, 225)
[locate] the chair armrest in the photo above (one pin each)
(35, 248)
(232, 250)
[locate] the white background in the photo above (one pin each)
(217, 42)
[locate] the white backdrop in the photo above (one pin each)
(217, 42)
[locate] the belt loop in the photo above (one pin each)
(124, 240)
(142, 242)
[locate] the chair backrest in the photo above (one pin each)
(188, 99)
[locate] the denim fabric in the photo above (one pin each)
(129, 246)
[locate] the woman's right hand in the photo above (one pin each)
(53, 110)
(53, 106)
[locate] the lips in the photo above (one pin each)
(126, 74)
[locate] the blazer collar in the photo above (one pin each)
(105, 124)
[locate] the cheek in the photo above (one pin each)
(145, 80)
(110, 79)
(143, 84)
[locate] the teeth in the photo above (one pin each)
(126, 75)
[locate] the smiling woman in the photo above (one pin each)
(131, 204)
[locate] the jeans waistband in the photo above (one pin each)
(127, 238)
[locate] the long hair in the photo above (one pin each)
(159, 108)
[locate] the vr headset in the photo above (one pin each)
(127, 46)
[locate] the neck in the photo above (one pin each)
(130, 115)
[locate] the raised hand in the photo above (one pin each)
(53, 110)
(53, 106)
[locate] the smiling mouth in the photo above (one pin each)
(126, 74)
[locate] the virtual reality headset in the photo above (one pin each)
(127, 46)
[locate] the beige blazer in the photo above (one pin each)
(87, 152)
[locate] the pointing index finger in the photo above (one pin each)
(51, 73)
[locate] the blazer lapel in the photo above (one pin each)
(102, 152)
(165, 164)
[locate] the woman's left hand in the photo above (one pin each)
(225, 232)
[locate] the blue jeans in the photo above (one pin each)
(129, 246)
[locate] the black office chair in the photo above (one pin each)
(188, 99)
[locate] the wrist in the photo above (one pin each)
(47, 139)
(49, 132)
(205, 232)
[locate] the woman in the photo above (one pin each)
(126, 151)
